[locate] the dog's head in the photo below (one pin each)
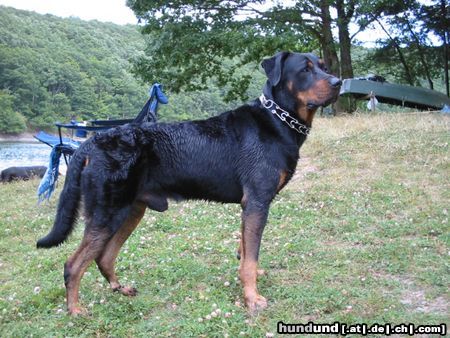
(300, 83)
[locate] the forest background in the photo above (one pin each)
(55, 69)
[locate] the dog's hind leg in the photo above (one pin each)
(106, 260)
(91, 246)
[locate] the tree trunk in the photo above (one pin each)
(343, 19)
(327, 42)
(328, 47)
(345, 50)
(345, 104)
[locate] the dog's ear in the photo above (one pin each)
(274, 67)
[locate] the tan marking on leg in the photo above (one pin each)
(248, 272)
(248, 265)
(90, 247)
(243, 205)
(106, 260)
(244, 200)
(282, 180)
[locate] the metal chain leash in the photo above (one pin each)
(284, 116)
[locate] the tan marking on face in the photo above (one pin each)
(318, 93)
(86, 162)
(307, 114)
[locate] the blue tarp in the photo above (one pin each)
(53, 140)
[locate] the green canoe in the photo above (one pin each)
(402, 95)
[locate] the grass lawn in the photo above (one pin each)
(360, 235)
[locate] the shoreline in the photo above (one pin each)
(22, 137)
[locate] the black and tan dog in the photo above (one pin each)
(22, 173)
(244, 156)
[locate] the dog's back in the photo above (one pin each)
(208, 159)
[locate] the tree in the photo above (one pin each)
(189, 41)
(436, 17)
(408, 42)
(11, 122)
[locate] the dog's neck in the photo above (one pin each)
(293, 135)
(284, 99)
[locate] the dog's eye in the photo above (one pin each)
(304, 70)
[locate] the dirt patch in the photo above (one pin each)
(417, 301)
(304, 168)
(414, 297)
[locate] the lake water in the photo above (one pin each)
(23, 154)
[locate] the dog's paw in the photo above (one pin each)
(77, 311)
(256, 304)
(126, 290)
(129, 291)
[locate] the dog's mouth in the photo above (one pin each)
(315, 105)
(312, 106)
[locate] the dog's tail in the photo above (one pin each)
(69, 200)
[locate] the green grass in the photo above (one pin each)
(361, 234)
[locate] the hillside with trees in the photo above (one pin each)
(53, 69)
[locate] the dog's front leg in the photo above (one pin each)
(254, 218)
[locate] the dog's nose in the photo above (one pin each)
(335, 82)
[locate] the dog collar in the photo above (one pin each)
(284, 116)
